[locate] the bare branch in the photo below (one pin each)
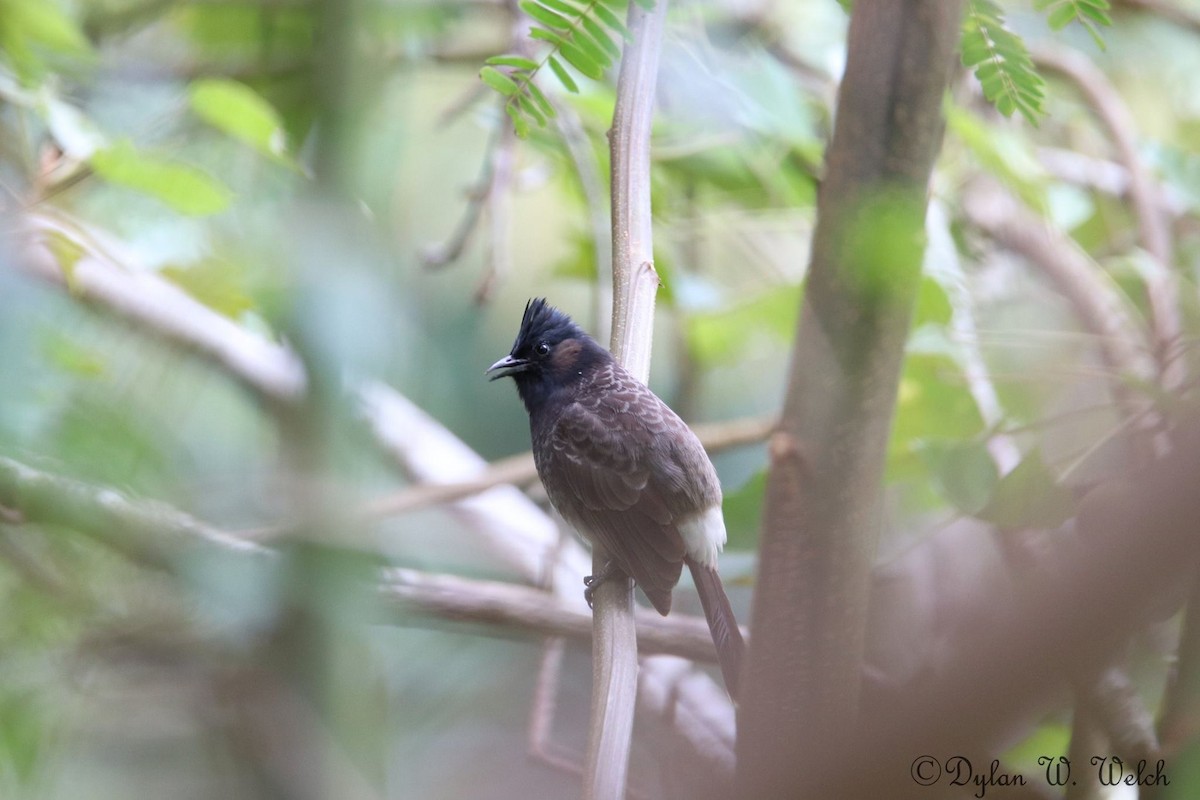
(478, 196)
(1101, 175)
(513, 608)
(1173, 12)
(149, 532)
(599, 215)
(1121, 714)
(1154, 230)
(635, 283)
(100, 276)
(1101, 308)
(519, 470)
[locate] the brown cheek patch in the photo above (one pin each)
(565, 354)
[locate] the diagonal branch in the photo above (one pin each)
(1099, 305)
(519, 469)
(518, 533)
(1153, 224)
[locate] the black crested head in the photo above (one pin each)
(551, 353)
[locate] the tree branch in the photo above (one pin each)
(635, 283)
(1100, 307)
(510, 607)
(519, 469)
(1154, 230)
(518, 533)
(1173, 12)
(998, 642)
(100, 277)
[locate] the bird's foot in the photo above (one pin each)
(592, 582)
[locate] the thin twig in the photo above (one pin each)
(599, 217)
(435, 256)
(499, 204)
(519, 470)
(102, 277)
(1154, 230)
(1099, 306)
(1173, 12)
(1103, 176)
(541, 742)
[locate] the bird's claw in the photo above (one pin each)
(592, 582)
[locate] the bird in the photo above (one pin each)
(623, 469)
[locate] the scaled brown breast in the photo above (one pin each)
(623, 468)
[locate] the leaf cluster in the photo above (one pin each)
(581, 32)
(1001, 62)
(1089, 14)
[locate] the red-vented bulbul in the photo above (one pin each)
(622, 468)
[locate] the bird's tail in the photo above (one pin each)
(725, 632)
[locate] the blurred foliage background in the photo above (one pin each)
(334, 177)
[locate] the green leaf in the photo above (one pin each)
(520, 123)
(72, 356)
(220, 285)
(517, 62)
(964, 472)
(67, 252)
(546, 16)
(498, 81)
(1089, 14)
(1001, 62)
(547, 36)
(605, 15)
(1060, 17)
(593, 50)
(933, 403)
(1029, 497)
(646, 4)
(933, 305)
(1048, 740)
(240, 112)
(540, 99)
(563, 76)
(724, 336)
(600, 36)
(563, 8)
(742, 510)
(581, 60)
(1002, 153)
(31, 30)
(530, 108)
(182, 187)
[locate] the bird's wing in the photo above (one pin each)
(623, 468)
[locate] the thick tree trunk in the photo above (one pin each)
(800, 688)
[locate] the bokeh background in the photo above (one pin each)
(330, 181)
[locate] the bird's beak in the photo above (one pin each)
(506, 366)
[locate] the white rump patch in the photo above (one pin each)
(704, 536)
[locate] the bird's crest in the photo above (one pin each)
(544, 322)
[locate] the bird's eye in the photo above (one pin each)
(542, 349)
